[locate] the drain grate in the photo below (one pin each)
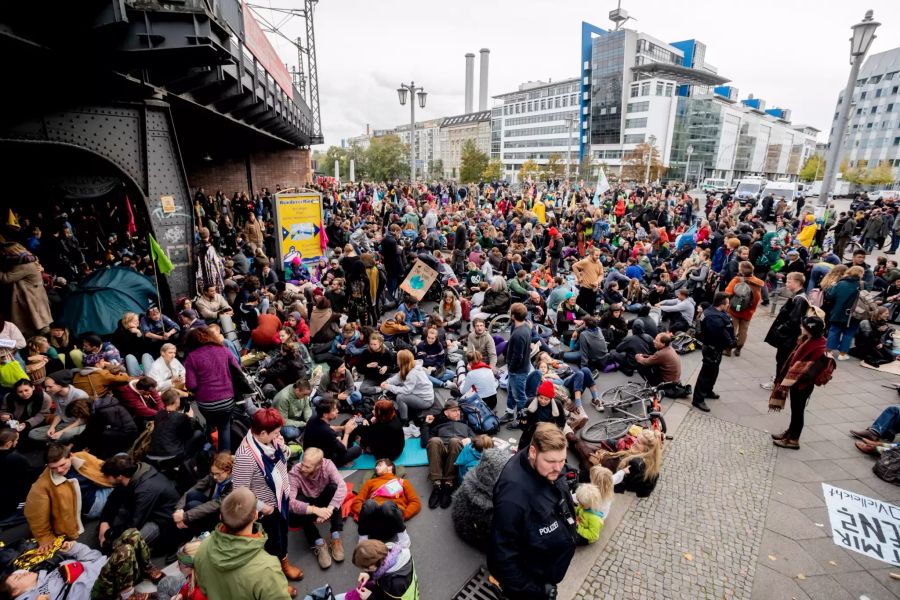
(479, 588)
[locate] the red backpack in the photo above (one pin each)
(826, 365)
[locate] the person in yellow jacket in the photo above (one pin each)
(72, 486)
(808, 233)
(540, 209)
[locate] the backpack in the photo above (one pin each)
(816, 297)
(465, 306)
(142, 444)
(826, 369)
(684, 343)
(888, 466)
(741, 296)
(864, 308)
(479, 416)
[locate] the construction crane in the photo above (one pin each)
(311, 74)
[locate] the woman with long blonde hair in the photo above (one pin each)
(642, 461)
(833, 276)
(411, 385)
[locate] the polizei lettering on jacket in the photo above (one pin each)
(549, 529)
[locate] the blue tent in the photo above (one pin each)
(98, 303)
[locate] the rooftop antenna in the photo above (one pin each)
(619, 16)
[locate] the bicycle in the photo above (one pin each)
(852, 246)
(622, 398)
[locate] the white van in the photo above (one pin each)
(748, 189)
(777, 189)
(715, 186)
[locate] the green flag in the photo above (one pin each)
(163, 264)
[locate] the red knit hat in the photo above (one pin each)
(546, 389)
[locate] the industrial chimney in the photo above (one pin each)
(470, 80)
(483, 79)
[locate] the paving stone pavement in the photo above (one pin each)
(693, 536)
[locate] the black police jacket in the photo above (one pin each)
(533, 531)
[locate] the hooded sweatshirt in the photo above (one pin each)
(236, 567)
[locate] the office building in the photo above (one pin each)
(455, 132)
(873, 130)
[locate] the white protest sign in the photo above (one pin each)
(863, 524)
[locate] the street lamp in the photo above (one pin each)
(403, 93)
(570, 121)
(687, 167)
(863, 35)
(651, 142)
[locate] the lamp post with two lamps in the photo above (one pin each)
(403, 91)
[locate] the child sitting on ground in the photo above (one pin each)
(594, 502)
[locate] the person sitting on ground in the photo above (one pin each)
(198, 508)
(98, 353)
(287, 367)
(479, 340)
(613, 326)
(679, 312)
(882, 431)
(664, 365)
(319, 492)
(411, 386)
(569, 316)
(131, 345)
(588, 518)
(444, 437)
(70, 488)
(497, 300)
(64, 425)
(338, 385)
(450, 310)
(396, 331)
(97, 383)
(374, 365)
(182, 585)
(874, 342)
(232, 563)
(167, 371)
(470, 455)
(293, 402)
(639, 342)
(544, 408)
(142, 499)
(433, 354)
(85, 573)
(415, 318)
(382, 436)
(141, 398)
(320, 433)
(480, 379)
(176, 434)
(158, 328)
(110, 429)
(643, 461)
(387, 572)
(381, 500)
(27, 405)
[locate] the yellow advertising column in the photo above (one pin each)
(298, 218)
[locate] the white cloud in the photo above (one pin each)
(792, 53)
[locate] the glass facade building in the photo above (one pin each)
(607, 67)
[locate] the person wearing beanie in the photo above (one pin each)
(544, 408)
(797, 378)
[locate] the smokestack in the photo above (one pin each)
(470, 80)
(483, 79)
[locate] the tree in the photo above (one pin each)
(359, 156)
(387, 158)
(880, 175)
(586, 168)
(635, 163)
(472, 163)
(814, 164)
(493, 171)
(335, 153)
(554, 168)
(530, 169)
(853, 174)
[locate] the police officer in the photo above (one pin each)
(533, 531)
(717, 335)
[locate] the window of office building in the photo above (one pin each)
(873, 110)
(634, 138)
(607, 66)
(889, 108)
(669, 89)
(859, 111)
(645, 88)
(556, 102)
(635, 91)
(895, 89)
(890, 75)
(875, 79)
(862, 96)
(897, 141)
(878, 93)
(565, 101)
(660, 88)
(635, 123)
(639, 107)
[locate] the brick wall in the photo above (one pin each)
(287, 168)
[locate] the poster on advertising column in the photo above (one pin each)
(298, 219)
(864, 525)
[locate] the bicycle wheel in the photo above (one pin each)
(499, 324)
(850, 249)
(625, 395)
(606, 430)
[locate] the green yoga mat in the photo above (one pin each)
(413, 455)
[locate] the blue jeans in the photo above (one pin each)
(354, 398)
(816, 275)
(579, 380)
(895, 242)
(840, 338)
(532, 382)
(888, 422)
(290, 433)
(515, 398)
(439, 381)
(136, 369)
(100, 499)
(573, 357)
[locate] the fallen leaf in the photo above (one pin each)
(832, 563)
(741, 451)
(801, 576)
(773, 557)
(895, 575)
(688, 556)
(820, 524)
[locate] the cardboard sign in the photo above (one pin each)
(863, 524)
(419, 280)
(168, 204)
(298, 217)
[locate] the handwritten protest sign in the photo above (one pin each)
(420, 278)
(863, 524)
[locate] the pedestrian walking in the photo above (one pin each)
(717, 335)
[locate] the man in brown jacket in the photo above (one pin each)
(97, 383)
(70, 487)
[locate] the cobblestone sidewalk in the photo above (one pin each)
(698, 534)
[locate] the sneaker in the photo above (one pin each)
(767, 385)
(598, 404)
(446, 496)
(434, 499)
(323, 556)
(843, 357)
(507, 418)
(450, 385)
(553, 341)
(337, 550)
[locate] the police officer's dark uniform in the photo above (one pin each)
(533, 533)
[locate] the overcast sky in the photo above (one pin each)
(792, 53)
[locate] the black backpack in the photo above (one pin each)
(888, 466)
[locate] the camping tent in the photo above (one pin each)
(98, 303)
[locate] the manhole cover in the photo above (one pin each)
(479, 588)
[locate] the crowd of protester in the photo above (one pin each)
(206, 429)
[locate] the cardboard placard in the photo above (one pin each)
(864, 525)
(419, 280)
(168, 204)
